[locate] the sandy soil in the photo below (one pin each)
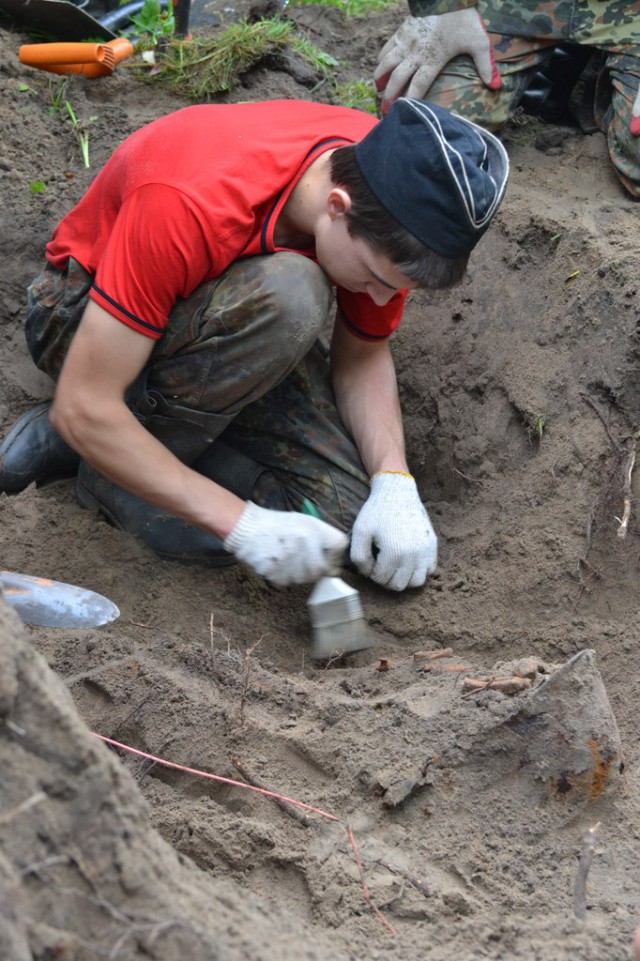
(468, 810)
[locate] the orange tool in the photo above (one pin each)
(88, 59)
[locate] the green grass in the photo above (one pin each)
(352, 8)
(205, 66)
(357, 94)
(523, 129)
(319, 59)
(154, 23)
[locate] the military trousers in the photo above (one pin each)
(244, 364)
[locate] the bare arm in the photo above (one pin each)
(392, 540)
(90, 413)
(366, 391)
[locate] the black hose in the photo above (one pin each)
(119, 18)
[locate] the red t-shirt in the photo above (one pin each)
(190, 193)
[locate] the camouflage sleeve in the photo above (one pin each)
(426, 8)
(612, 25)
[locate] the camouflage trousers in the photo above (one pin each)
(244, 363)
(523, 36)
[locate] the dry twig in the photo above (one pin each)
(630, 448)
(628, 474)
(506, 685)
(421, 886)
(584, 865)
(289, 809)
(7, 816)
(614, 442)
(246, 678)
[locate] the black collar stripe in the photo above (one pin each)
(267, 219)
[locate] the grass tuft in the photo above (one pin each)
(357, 94)
(205, 66)
(352, 8)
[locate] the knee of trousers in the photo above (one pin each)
(299, 296)
(238, 337)
(624, 151)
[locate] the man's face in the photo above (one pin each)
(353, 264)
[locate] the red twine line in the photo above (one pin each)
(260, 790)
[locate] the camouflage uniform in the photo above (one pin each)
(524, 35)
(244, 360)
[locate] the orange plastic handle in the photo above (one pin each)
(89, 59)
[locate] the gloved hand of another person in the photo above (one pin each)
(635, 115)
(286, 548)
(393, 541)
(421, 48)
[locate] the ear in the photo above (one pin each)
(338, 202)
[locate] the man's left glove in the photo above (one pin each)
(393, 541)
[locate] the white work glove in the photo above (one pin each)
(286, 547)
(423, 46)
(393, 541)
(635, 115)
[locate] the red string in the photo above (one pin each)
(216, 777)
(260, 790)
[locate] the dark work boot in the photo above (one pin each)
(230, 468)
(34, 452)
(168, 536)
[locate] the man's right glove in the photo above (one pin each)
(423, 46)
(286, 547)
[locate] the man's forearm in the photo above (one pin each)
(117, 445)
(90, 414)
(392, 540)
(367, 399)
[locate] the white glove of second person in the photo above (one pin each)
(635, 115)
(423, 46)
(286, 547)
(393, 541)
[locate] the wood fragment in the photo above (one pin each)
(421, 656)
(7, 816)
(505, 685)
(586, 857)
(254, 781)
(627, 502)
(474, 684)
(421, 886)
(384, 664)
(510, 685)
